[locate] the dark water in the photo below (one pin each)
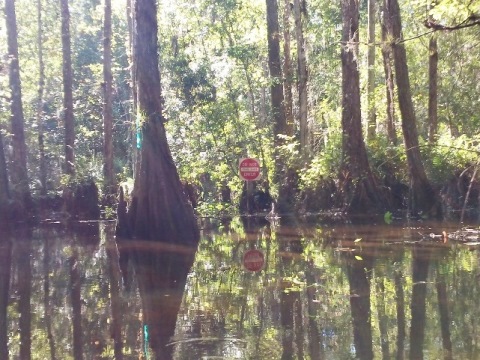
(325, 292)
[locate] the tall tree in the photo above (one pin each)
(68, 116)
(422, 191)
(359, 185)
(4, 191)
(432, 88)
(18, 168)
(108, 172)
(159, 209)
(287, 67)
(298, 9)
(277, 101)
(372, 121)
(389, 80)
(41, 89)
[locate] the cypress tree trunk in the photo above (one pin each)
(159, 209)
(302, 78)
(68, 117)
(372, 121)
(432, 89)
(389, 82)
(277, 103)
(108, 173)
(422, 191)
(41, 88)
(360, 191)
(18, 169)
(4, 192)
(287, 68)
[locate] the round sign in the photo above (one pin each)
(253, 260)
(249, 169)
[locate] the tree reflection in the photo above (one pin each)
(358, 271)
(5, 269)
(161, 273)
(420, 264)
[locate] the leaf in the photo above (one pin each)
(359, 258)
(357, 240)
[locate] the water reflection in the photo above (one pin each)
(325, 292)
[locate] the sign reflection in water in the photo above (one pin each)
(322, 294)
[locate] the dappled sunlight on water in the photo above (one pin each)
(324, 291)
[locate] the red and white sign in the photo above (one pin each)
(249, 169)
(253, 260)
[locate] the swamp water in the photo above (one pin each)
(325, 292)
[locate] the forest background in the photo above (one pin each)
(331, 138)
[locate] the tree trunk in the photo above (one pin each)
(372, 121)
(423, 194)
(68, 118)
(41, 88)
(133, 89)
(432, 89)
(108, 173)
(24, 278)
(47, 305)
(277, 103)
(159, 209)
(389, 82)
(302, 78)
(18, 169)
(5, 272)
(287, 68)
(4, 191)
(359, 186)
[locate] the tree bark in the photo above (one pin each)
(41, 88)
(372, 121)
(358, 183)
(422, 191)
(68, 116)
(5, 272)
(18, 167)
(302, 78)
(287, 68)
(159, 208)
(4, 191)
(389, 82)
(108, 173)
(277, 103)
(432, 89)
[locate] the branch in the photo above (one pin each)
(472, 20)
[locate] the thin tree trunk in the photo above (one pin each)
(159, 209)
(287, 68)
(108, 172)
(41, 88)
(382, 318)
(423, 193)
(372, 121)
(302, 78)
(18, 169)
(432, 89)
(359, 185)
(4, 191)
(68, 117)
(389, 82)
